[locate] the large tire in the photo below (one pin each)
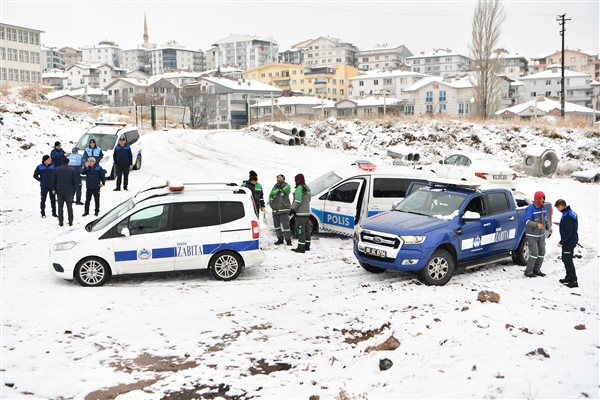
(371, 268)
(92, 272)
(138, 162)
(438, 270)
(225, 266)
(521, 254)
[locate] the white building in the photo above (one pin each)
(288, 106)
(547, 84)
(378, 82)
(20, 52)
(155, 90)
(369, 107)
(52, 58)
(242, 51)
(101, 54)
(442, 62)
(136, 59)
(542, 107)
(434, 95)
(514, 66)
(382, 56)
(54, 78)
(328, 51)
(174, 57)
(92, 76)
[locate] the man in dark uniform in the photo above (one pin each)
(64, 185)
(43, 173)
(123, 160)
(568, 240)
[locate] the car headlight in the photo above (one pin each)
(63, 246)
(413, 239)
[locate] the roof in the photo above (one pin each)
(22, 27)
(548, 73)
(386, 74)
(55, 73)
(76, 93)
(295, 100)
(382, 48)
(246, 85)
(367, 102)
(244, 38)
(545, 106)
(438, 54)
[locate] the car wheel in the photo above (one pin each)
(373, 269)
(225, 266)
(92, 272)
(521, 254)
(438, 270)
(138, 162)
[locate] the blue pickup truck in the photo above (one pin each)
(442, 226)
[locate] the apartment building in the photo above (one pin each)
(324, 51)
(127, 91)
(513, 66)
(71, 55)
(102, 54)
(52, 58)
(294, 56)
(54, 78)
(575, 60)
(136, 59)
(329, 82)
(578, 88)
(440, 62)
(92, 76)
(435, 95)
(20, 51)
(378, 82)
(174, 57)
(382, 56)
(242, 51)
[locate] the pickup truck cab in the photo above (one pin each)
(442, 226)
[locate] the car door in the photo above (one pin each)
(476, 237)
(197, 229)
(342, 207)
(446, 169)
(148, 242)
(506, 221)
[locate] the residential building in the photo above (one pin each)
(440, 62)
(136, 59)
(541, 107)
(54, 78)
(242, 51)
(180, 78)
(547, 84)
(575, 60)
(20, 51)
(174, 57)
(102, 54)
(434, 95)
(330, 82)
(91, 76)
(71, 55)
(127, 91)
(361, 108)
(87, 95)
(52, 58)
(324, 51)
(294, 56)
(514, 66)
(295, 106)
(233, 99)
(380, 81)
(67, 101)
(382, 56)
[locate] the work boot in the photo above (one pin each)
(85, 214)
(43, 214)
(307, 247)
(279, 241)
(539, 273)
(299, 249)
(571, 284)
(530, 274)
(564, 280)
(288, 242)
(54, 214)
(117, 190)
(96, 214)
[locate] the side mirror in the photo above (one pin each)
(125, 232)
(471, 216)
(396, 204)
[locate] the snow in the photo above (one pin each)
(298, 325)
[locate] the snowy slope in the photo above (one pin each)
(298, 325)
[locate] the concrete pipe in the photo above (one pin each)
(403, 152)
(301, 133)
(287, 129)
(282, 138)
(297, 140)
(540, 162)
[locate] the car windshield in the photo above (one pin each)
(103, 140)
(112, 215)
(434, 203)
(324, 182)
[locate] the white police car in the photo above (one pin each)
(166, 228)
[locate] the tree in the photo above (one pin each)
(485, 55)
(202, 105)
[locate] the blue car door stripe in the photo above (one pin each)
(128, 255)
(167, 252)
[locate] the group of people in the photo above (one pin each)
(60, 175)
(283, 208)
(538, 226)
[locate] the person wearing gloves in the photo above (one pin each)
(75, 163)
(257, 191)
(301, 210)
(43, 173)
(92, 151)
(537, 226)
(568, 240)
(94, 180)
(279, 200)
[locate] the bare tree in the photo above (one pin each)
(201, 104)
(485, 55)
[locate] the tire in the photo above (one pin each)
(438, 270)
(138, 162)
(372, 269)
(225, 266)
(521, 254)
(92, 272)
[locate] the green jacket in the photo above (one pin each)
(279, 198)
(301, 203)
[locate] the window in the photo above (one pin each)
(196, 215)
(341, 91)
(390, 187)
(231, 211)
(533, 94)
(11, 34)
(442, 107)
(498, 203)
(387, 81)
(442, 95)
(149, 220)
(548, 82)
(24, 76)
(429, 108)
(409, 110)
(476, 205)
(3, 53)
(13, 74)
(548, 93)
(428, 97)
(2, 37)
(23, 56)
(132, 137)
(3, 73)
(376, 82)
(345, 193)
(23, 36)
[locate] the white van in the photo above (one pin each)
(107, 136)
(167, 228)
(346, 196)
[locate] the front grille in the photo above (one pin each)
(380, 240)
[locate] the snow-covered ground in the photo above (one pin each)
(300, 324)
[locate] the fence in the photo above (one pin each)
(142, 115)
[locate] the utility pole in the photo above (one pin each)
(561, 18)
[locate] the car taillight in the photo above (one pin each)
(514, 176)
(255, 230)
(482, 175)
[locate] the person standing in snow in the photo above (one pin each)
(301, 210)
(64, 185)
(257, 191)
(58, 154)
(537, 225)
(75, 163)
(44, 173)
(92, 151)
(279, 200)
(123, 160)
(568, 240)
(94, 180)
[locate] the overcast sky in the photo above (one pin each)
(530, 28)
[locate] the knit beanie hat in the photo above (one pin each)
(299, 179)
(537, 198)
(45, 158)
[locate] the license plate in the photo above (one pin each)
(503, 177)
(375, 252)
